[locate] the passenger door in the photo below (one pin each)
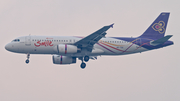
(28, 40)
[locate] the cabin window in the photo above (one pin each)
(16, 40)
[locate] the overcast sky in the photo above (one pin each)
(147, 76)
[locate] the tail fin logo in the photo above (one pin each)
(159, 27)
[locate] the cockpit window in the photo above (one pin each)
(16, 40)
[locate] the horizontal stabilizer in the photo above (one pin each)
(161, 40)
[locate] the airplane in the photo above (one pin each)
(67, 49)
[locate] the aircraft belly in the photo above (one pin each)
(126, 49)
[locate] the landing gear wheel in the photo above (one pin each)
(86, 58)
(83, 65)
(28, 55)
(27, 61)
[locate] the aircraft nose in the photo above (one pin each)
(11, 47)
(7, 47)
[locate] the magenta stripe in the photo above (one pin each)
(105, 48)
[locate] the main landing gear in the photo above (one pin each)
(86, 59)
(83, 65)
(27, 61)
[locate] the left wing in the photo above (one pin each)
(93, 38)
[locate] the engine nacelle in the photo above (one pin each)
(65, 49)
(59, 59)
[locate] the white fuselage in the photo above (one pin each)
(47, 45)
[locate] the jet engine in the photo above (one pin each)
(65, 49)
(59, 59)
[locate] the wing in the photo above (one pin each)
(90, 40)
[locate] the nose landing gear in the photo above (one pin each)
(27, 61)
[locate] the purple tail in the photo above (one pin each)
(157, 28)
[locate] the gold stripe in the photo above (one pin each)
(133, 41)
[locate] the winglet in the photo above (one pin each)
(112, 25)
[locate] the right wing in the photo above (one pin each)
(90, 40)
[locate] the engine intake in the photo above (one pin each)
(59, 59)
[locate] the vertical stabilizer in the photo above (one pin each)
(158, 28)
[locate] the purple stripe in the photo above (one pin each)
(61, 60)
(128, 47)
(105, 48)
(65, 48)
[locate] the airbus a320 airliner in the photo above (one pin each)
(66, 49)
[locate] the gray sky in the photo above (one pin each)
(149, 76)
